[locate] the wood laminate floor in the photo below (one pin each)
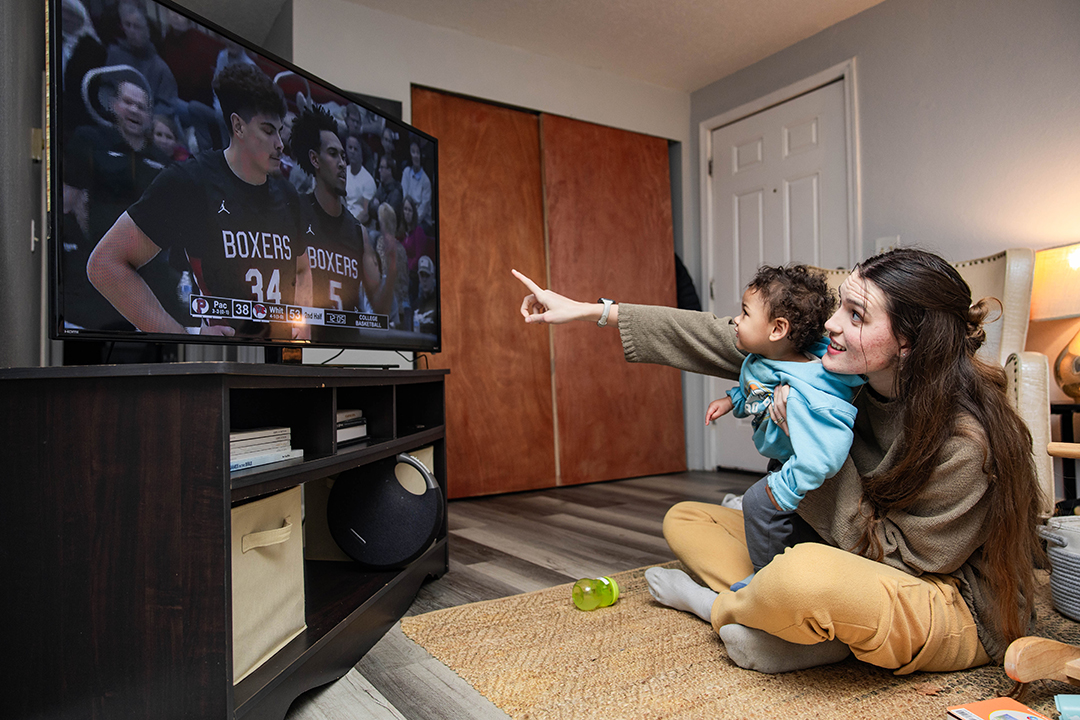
(506, 545)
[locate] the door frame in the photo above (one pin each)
(843, 72)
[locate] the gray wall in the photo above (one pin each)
(969, 119)
(969, 125)
(279, 39)
(22, 62)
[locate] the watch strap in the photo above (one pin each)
(604, 315)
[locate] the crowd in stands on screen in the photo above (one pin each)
(385, 149)
(81, 50)
(359, 184)
(417, 244)
(388, 241)
(425, 308)
(415, 182)
(167, 138)
(387, 191)
(106, 168)
(291, 167)
(134, 48)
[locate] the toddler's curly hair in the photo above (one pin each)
(801, 295)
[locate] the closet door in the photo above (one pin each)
(500, 434)
(608, 202)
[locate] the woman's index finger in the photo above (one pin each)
(533, 287)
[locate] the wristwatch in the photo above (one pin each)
(607, 308)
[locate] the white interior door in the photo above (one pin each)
(779, 194)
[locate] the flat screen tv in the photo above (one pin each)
(203, 190)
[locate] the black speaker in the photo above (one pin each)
(379, 522)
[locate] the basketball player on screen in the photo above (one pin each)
(225, 215)
(340, 260)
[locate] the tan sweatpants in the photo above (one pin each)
(814, 592)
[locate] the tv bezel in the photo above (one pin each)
(396, 340)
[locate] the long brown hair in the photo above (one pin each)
(929, 305)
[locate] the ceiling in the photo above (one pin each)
(678, 44)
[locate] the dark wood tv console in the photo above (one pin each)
(115, 550)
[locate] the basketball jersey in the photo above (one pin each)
(335, 247)
(240, 240)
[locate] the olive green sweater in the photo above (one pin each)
(942, 534)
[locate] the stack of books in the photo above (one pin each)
(351, 427)
(261, 446)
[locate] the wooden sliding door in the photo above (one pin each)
(608, 218)
(608, 202)
(500, 433)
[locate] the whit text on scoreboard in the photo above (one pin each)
(215, 308)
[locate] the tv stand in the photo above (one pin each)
(117, 543)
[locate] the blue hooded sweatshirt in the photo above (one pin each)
(820, 418)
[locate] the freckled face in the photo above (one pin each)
(861, 336)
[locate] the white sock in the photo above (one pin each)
(677, 590)
(733, 501)
(755, 649)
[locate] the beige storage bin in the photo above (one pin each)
(267, 579)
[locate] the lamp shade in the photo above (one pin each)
(1055, 291)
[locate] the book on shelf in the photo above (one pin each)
(1001, 708)
(352, 432)
(278, 446)
(263, 432)
(347, 415)
(352, 423)
(266, 433)
(259, 441)
(259, 444)
(249, 461)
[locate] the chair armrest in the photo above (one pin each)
(1064, 450)
(1028, 375)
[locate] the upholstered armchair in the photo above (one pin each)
(1008, 276)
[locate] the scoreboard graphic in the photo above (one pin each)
(215, 308)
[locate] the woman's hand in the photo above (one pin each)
(778, 408)
(545, 306)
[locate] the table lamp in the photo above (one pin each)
(1055, 295)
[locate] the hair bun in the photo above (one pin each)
(977, 318)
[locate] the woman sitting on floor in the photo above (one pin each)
(926, 539)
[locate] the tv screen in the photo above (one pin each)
(203, 190)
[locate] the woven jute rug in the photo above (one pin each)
(538, 656)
